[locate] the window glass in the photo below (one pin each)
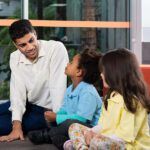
(104, 10)
(6, 47)
(9, 9)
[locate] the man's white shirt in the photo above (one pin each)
(42, 82)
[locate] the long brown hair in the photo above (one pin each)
(123, 75)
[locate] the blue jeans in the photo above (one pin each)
(33, 119)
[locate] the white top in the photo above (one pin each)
(42, 82)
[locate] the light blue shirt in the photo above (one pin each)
(83, 101)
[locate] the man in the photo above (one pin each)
(37, 81)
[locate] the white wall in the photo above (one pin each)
(145, 20)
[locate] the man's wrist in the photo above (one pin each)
(16, 124)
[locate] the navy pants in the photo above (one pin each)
(33, 119)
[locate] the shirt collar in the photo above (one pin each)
(26, 61)
(75, 92)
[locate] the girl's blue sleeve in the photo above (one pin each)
(62, 117)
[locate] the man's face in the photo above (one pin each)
(28, 45)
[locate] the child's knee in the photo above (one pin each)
(73, 126)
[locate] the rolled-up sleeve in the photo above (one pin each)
(58, 79)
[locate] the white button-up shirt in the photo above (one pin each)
(41, 82)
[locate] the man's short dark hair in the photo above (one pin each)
(20, 28)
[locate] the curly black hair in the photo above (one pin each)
(89, 61)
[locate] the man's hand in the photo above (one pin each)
(16, 134)
(88, 135)
(50, 116)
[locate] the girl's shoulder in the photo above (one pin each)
(116, 97)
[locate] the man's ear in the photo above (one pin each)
(35, 33)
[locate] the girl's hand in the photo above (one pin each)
(50, 116)
(88, 135)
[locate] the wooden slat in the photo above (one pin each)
(73, 24)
